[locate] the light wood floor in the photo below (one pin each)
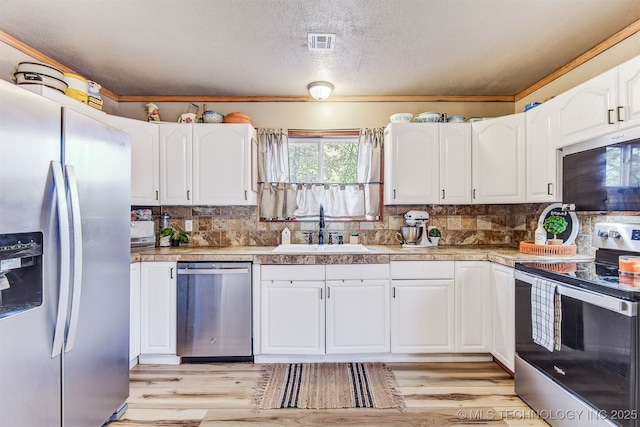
(436, 394)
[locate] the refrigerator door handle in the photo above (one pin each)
(76, 218)
(65, 258)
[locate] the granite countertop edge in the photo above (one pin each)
(379, 254)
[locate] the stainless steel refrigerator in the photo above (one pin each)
(64, 265)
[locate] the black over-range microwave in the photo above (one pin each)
(605, 178)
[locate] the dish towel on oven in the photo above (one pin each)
(546, 314)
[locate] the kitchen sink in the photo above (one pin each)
(301, 248)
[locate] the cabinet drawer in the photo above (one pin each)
(422, 269)
(292, 272)
(357, 271)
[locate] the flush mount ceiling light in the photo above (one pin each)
(320, 90)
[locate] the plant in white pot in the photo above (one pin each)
(176, 236)
(434, 235)
(555, 225)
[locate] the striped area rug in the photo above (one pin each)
(327, 386)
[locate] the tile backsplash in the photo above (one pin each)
(460, 225)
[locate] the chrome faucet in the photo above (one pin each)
(321, 227)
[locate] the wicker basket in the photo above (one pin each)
(533, 249)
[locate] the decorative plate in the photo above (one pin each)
(569, 235)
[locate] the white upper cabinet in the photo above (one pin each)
(604, 104)
(498, 156)
(542, 156)
(223, 171)
(208, 164)
(175, 164)
(145, 159)
(455, 163)
(411, 164)
(629, 93)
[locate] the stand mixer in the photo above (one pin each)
(418, 219)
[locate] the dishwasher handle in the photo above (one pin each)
(213, 271)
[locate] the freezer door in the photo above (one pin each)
(29, 141)
(96, 158)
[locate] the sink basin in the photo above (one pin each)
(301, 248)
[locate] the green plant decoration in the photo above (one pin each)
(555, 225)
(434, 232)
(179, 235)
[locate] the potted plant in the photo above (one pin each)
(434, 235)
(555, 225)
(176, 236)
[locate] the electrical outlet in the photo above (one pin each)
(188, 225)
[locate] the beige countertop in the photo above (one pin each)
(379, 254)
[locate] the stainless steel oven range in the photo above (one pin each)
(577, 346)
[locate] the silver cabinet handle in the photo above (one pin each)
(474, 193)
(76, 217)
(620, 113)
(328, 292)
(65, 258)
(443, 194)
(188, 194)
(394, 292)
(550, 189)
(171, 273)
(609, 119)
(320, 293)
(157, 195)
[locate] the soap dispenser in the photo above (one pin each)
(540, 235)
(286, 236)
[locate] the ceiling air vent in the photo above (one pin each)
(318, 41)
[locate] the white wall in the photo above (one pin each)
(322, 114)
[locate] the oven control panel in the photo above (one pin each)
(615, 235)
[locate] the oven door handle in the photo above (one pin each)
(213, 271)
(620, 306)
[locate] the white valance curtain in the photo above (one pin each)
(281, 199)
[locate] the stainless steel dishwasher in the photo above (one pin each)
(214, 311)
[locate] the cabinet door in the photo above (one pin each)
(411, 166)
(145, 159)
(175, 164)
(455, 163)
(587, 111)
(222, 166)
(473, 306)
(134, 314)
(498, 157)
(422, 316)
(542, 156)
(358, 316)
(292, 317)
(503, 319)
(158, 289)
(628, 113)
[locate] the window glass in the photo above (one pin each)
(323, 160)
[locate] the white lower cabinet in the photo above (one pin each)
(473, 307)
(357, 309)
(293, 317)
(422, 306)
(306, 310)
(503, 318)
(292, 309)
(158, 293)
(134, 314)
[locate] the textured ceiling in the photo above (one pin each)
(259, 47)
